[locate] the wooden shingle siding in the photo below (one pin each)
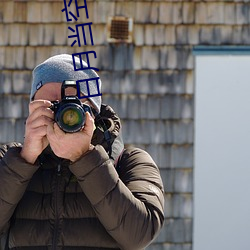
(150, 83)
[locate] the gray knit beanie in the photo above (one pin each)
(60, 68)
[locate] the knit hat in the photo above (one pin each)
(60, 68)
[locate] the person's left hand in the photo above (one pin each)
(71, 146)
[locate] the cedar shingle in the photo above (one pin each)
(168, 205)
(60, 34)
(138, 34)
(188, 12)
(20, 12)
(193, 34)
(246, 35)
(8, 11)
(201, 13)
(206, 35)
(58, 16)
(149, 34)
(183, 133)
(189, 82)
(226, 33)
(159, 34)
(170, 35)
(4, 31)
(165, 11)
(181, 230)
(30, 57)
(237, 35)
(215, 13)
(99, 36)
(176, 107)
(133, 107)
(163, 64)
(182, 34)
(8, 58)
(156, 131)
(12, 106)
(25, 105)
(172, 62)
(48, 34)
(19, 57)
(154, 14)
(47, 14)
(101, 11)
(7, 131)
(153, 107)
(182, 206)
(106, 81)
(142, 85)
(6, 84)
(104, 56)
(143, 16)
(164, 160)
(21, 82)
(1, 11)
(34, 12)
(242, 12)
(181, 156)
(19, 130)
(18, 34)
(143, 107)
(229, 13)
(125, 8)
(170, 13)
(116, 82)
(183, 180)
(2, 58)
(158, 85)
(137, 58)
(37, 34)
(119, 53)
(168, 178)
(128, 83)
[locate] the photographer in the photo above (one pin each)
(76, 189)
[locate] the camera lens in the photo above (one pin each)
(70, 117)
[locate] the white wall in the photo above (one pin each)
(222, 153)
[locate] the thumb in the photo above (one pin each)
(89, 124)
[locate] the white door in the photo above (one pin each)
(222, 152)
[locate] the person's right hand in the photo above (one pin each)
(35, 140)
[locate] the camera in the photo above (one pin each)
(70, 112)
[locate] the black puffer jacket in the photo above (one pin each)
(94, 203)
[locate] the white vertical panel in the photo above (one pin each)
(222, 153)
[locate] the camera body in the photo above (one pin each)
(70, 112)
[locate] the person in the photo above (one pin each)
(80, 190)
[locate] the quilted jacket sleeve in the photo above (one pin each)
(129, 200)
(15, 174)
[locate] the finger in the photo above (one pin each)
(58, 131)
(38, 122)
(37, 132)
(54, 133)
(41, 111)
(38, 103)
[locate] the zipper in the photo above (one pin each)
(56, 232)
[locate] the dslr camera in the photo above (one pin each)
(70, 112)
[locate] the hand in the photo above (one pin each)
(35, 141)
(71, 146)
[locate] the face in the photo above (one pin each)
(52, 92)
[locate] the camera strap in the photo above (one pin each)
(106, 133)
